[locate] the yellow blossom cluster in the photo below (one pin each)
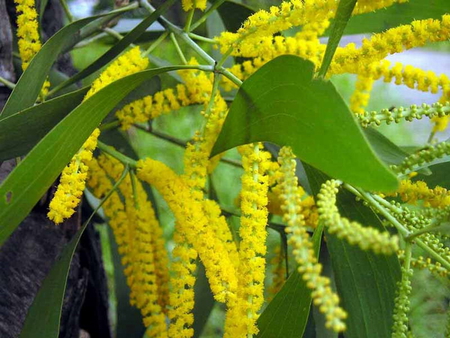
(192, 223)
(367, 238)
(72, 182)
(69, 191)
(279, 271)
(147, 267)
(365, 6)
(27, 31)
(308, 265)
(413, 192)
(195, 90)
(189, 5)
(243, 310)
(28, 42)
(361, 95)
(264, 24)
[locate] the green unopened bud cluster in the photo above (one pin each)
(396, 115)
(426, 263)
(308, 266)
(367, 238)
(435, 243)
(422, 157)
(401, 309)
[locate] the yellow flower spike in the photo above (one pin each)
(278, 271)
(193, 223)
(413, 192)
(192, 4)
(366, 238)
(73, 177)
(361, 95)
(323, 297)
(148, 276)
(72, 182)
(243, 311)
(289, 14)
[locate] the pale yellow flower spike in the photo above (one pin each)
(243, 311)
(148, 277)
(278, 271)
(73, 177)
(367, 238)
(310, 269)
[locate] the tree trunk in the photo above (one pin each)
(29, 254)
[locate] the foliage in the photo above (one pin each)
(378, 211)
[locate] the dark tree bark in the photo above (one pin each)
(29, 254)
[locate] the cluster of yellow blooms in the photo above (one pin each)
(27, 31)
(143, 247)
(195, 90)
(192, 4)
(367, 238)
(72, 182)
(308, 265)
(28, 42)
(242, 313)
(412, 192)
(74, 174)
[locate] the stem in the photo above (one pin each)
(155, 44)
(181, 143)
(205, 15)
(110, 125)
(134, 189)
(202, 38)
(7, 83)
(114, 153)
(182, 35)
(230, 76)
(66, 10)
(187, 27)
(178, 49)
(408, 253)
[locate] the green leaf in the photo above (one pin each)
(439, 177)
(366, 282)
(287, 314)
(31, 178)
(283, 104)
(343, 14)
(21, 131)
(386, 150)
(119, 47)
(204, 301)
(43, 317)
(233, 14)
(397, 14)
(30, 83)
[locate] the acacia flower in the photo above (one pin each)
(243, 311)
(73, 177)
(414, 192)
(147, 271)
(191, 4)
(308, 266)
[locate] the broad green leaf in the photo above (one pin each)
(366, 282)
(233, 14)
(21, 131)
(397, 14)
(21, 190)
(30, 83)
(282, 103)
(119, 47)
(343, 14)
(287, 314)
(43, 317)
(386, 150)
